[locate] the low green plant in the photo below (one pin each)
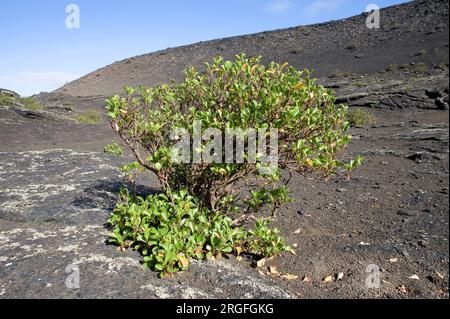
(274, 198)
(30, 103)
(392, 67)
(90, 117)
(266, 241)
(170, 234)
(358, 117)
(26, 102)
(6, 100)
(420, 67)
(442, 66)
(113, 149)
(352, 46)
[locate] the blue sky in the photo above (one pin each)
(39, 53)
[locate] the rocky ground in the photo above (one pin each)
(54, 207)
(58, 188)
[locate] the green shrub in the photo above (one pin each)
(392, 67)
(442, 66)
(113, 149)
(415, 68)
(358, 117)
(90, 117)
(241, 94)
(352, 46)
(420, 68)
(6, 100)
(26, 102)
(30, 103)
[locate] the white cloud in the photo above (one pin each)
(279, 6)
(318, 6)
(29, 82)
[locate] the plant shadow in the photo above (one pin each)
(103, 194)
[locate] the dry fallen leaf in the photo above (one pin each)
(298, 86)
(415, 277)
(184, 261)
(289, 277)
(439, 275)
(363, 244)
(328, 279)
(260, 263)
(393, 260)
(273, 269)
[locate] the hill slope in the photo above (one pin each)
(410, 33)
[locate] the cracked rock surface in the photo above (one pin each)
(54, 205)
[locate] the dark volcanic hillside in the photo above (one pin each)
(410, 33)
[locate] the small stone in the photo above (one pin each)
(405, 253)
(403, 289)
(260, 263)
